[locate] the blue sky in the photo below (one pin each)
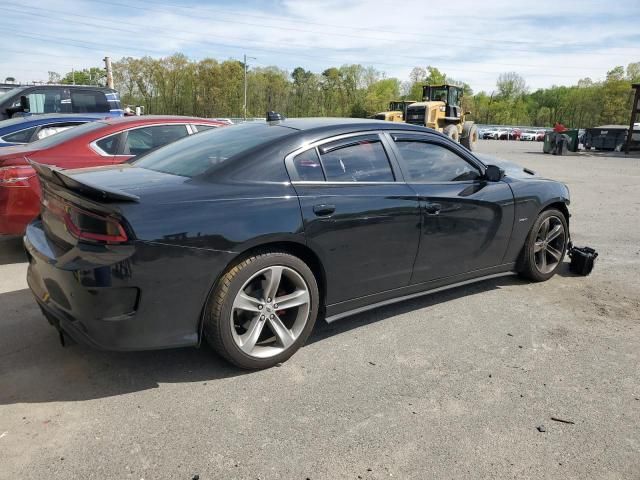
(546, 42)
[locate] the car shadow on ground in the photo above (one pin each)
(35, 368)
(11, 250)
(324, 330)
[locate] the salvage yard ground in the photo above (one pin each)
(452, 385)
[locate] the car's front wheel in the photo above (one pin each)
(545, 246)
(262, 310)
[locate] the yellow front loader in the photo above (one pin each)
(396, 112)
(440, 109)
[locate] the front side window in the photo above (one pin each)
(23, 136)
(44, 101)
(89, 101)
(430, 162)
(141, 140)
(356, 159)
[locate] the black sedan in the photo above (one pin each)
(245, 235)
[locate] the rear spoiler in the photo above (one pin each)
(56, 175)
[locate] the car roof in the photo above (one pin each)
(157, 119)
(48, 117)
(71, 87)
(331, 123)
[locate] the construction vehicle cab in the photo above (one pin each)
(397, 111)
(441, 110)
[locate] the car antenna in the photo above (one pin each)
(274, 117)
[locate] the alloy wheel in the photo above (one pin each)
(270, 311)
(549, 245)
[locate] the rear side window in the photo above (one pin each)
(141, 140)
(109, 145)
(307, 165)
(88, 101)
(23, 136)
(357, 159)
(430, 162)
(203, 128)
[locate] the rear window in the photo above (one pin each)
(69, 134)
(209, 150)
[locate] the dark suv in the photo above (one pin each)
(37, 99)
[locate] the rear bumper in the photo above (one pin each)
(119, 298)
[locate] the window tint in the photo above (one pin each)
(429, 162)
(212, 150)
(23, 136)
(307, 165)
(141, 140)
(88, 101)
(357, 159)
(109, 145)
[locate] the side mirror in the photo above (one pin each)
(493, 173)
(22, 107)
(24, 103)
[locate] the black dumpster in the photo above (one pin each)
(607, 137)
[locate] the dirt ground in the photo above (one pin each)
(453, 385)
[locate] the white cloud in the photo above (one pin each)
(547, 42)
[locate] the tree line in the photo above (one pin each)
(211, 88)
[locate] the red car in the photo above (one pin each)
(93, 144)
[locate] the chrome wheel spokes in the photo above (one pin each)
(549, 244)
(270, 311)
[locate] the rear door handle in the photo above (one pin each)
(432, 208)
(323, 210)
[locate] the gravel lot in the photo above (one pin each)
(452, 385)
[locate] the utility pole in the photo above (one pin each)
(73, 76)
(244, 107)
(107, 64)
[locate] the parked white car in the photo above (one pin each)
(528, 135)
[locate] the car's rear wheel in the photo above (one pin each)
(262, 310)
(545, 246)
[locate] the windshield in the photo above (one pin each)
(10, 93)
(209, 150)
(438, 94)
(69, 134)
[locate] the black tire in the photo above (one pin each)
(469, 136)
(219, 308)
(529, 268)
(451, 131)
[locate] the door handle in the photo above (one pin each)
(432, 208)
(323, 210)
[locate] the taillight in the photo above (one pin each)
(86, 225)
(16, 176)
